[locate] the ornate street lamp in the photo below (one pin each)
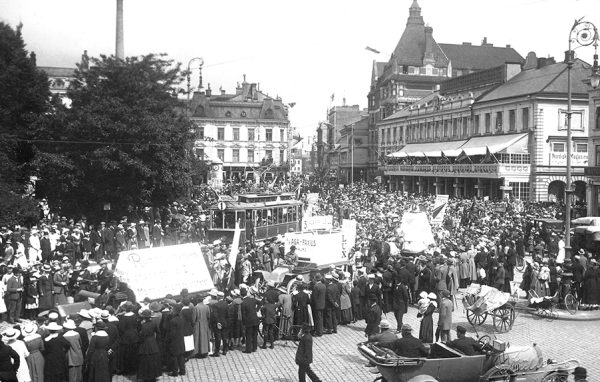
(189, 86)
(583, 33)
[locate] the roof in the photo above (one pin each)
(429, 149)
(547, 79)
(477, 57)
(52, 71)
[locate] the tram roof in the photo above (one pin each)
(232, 205)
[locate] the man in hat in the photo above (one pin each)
(14, 295)
(466, 345)
(219, 322)
(250, 321)
(304, 356)
(9, 363)
(445, 317)
(291, 258)
(318, 302)
(385, 335)
(373, 318)
(408, 346)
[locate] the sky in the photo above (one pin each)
(303, 51)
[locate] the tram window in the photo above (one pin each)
(241, 217)
(218, 220)
(229, 220)
(280, 216)
(286, 216)
(269, 216)
(293, 217)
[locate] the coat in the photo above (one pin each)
(249, 308)
(55, 354)
(591, 286)
(318, 297)
(445, 318)
(373, 319)
(464, 268)
(304, 354)
(174, 340)
(332, 296)
(202, 333)
(400, 298)
(218, 314)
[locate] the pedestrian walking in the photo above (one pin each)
(304, 356)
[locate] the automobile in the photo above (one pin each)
(498, 362)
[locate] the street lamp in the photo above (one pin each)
(189, 87)
(583, 33)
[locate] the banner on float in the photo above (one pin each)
(322, 249)
(312, 223)
(416, 231)
(439, 209)
(349, 234)
(156, 272)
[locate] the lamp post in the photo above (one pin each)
(352, 159)
(583, 33)
(189, 87)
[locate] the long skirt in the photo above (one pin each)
(149, 366)
(35, 362)
(426, 330)
(346, 316)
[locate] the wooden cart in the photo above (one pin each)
(481, 301)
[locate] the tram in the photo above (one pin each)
(260, 216)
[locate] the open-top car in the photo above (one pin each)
(446, 364)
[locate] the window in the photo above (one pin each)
(282, 135)
(576, 120)
(200, 132)
(422, 70)
(512, 120)
(228, 114)
(597, 155)
(236, 155)
(558, 147)
(488, 122)
(597, 120)
(438, 129)
(525, 119)
(499, 121)
(520, 190)
(221, 133)
(236, 134)
(475, 125)
(429, 130)
(269, 154)
(581, 147)
(465, 127)
(281, 155)
(445, 129)
(221, 154)
(455, 127)
(200, 153)
(269, 135)
(250, 156)
(250, 134)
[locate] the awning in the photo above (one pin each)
(511, 143)
(426, 149)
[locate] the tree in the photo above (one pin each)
(122, 141)
(24, 96)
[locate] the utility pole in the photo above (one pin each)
(119, 49)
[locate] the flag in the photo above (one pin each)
(489, 157)
(445, 158)
(235, 246)
(332, 96)
(462, 157)
(372, 50)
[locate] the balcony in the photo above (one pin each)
(491, 171)
(591, 171)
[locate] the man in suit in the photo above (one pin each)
(373, 291)
(445, 319)
(107, 239)
(250, 321)
(304, 356)
(175, 343)
(219, 322)
(407, 346)
(330, 306)
(373, 318)
(14, 295)
(466, 345)
(318, 304)
(9, 363)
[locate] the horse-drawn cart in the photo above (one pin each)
(481, 301)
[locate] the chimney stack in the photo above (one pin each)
(120, 50)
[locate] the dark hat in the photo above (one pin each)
(580, 372)
(461, 329)
(145, 313)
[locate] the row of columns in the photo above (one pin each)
(456, 187)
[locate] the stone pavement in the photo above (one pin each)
(336, 357)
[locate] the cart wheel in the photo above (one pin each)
(556, 376)
(291, 286)
(504, 317)
(475, 318)
(497, 374)
(571, 303)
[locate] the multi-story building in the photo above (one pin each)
(593, 170)
(494, 133)
(418, 65)
(339, 118)
(245, 130)
(60, 78)
(353, 152)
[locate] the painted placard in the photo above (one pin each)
(312, 223)
(439, 209)
(321, 250)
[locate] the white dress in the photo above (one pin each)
(21, 349)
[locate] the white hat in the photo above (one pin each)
(371, 276)
(69, 324)
(432, 296)
(53, 316)
(12, 333)
(384, 324)
(213, 292)
(328, 277)
(423, 294)
(53, 326)
(84, 313)
(29, 328)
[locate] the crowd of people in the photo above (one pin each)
(60, 261)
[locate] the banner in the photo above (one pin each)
(416, 231)
(349, 234)
(560, 159)
(439, 209)
(322, 249)
(312, 223)
(156, 272)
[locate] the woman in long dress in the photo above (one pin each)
(35, 346)
(149, 364)
(10, 336)
(97, 358)
(426, 329)
(45, 289)
(55, 353)
(128, 329)
(345, 303)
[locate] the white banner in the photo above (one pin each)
(322, 249)
(439, 209)
(416, 231)
(156, 272)
(311, 223)
(560, 159)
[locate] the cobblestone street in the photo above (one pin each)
(336, 357)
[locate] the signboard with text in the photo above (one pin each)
(156, 272)
(560, 159)
(312, 223)
(439, 209)
(322, 249)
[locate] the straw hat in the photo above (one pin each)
(53, 326)
(29, 328)
(12, 334)
(69, 324)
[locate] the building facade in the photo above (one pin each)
(496, 133)
(593, 170)
(246, 131)
(417, 66)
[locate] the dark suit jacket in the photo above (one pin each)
(318, 296)
(8, 369)
(333, 296)
(188, 326)
(373, 319)
(304, 354)
(249, 307)
(175, 344)
(218, 314)
(12, 284)
(373, 292)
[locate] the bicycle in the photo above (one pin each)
(284, 331)
(570, 298)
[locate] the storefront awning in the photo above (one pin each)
(426, 149)
(511, 143)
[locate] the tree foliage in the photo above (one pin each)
(122, 141)
(24, 96)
